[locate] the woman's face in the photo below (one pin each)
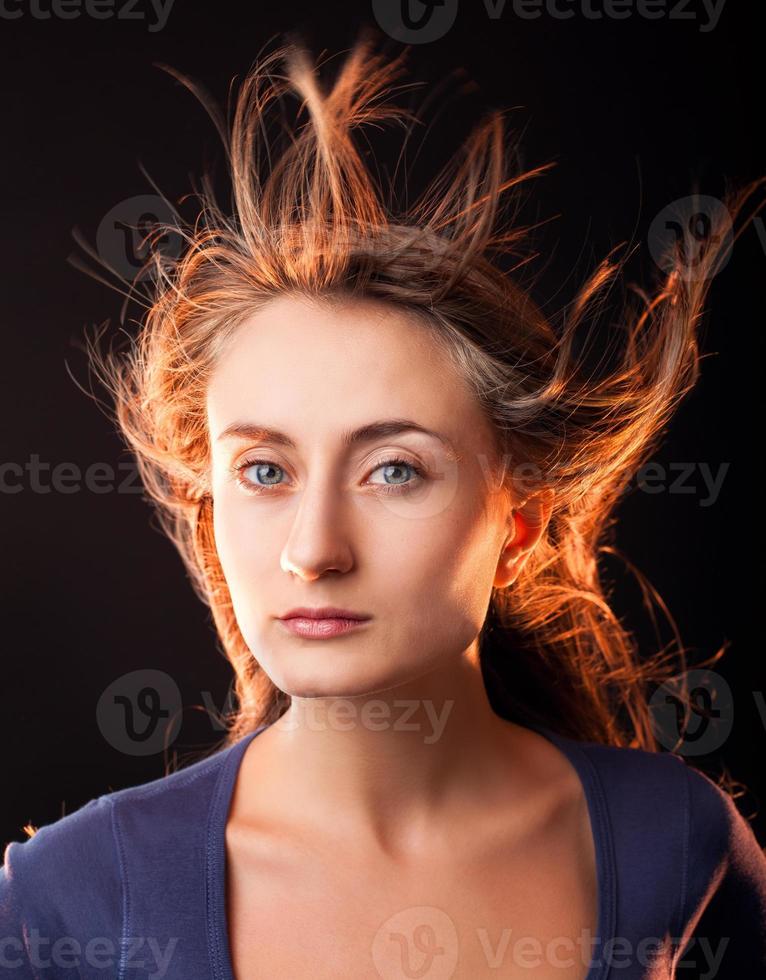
(325, 522)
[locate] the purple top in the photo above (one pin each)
(132, 885)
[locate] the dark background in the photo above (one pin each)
(632, 111)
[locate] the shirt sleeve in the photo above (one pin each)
(14, 954)
(724, 910)
(52, 895)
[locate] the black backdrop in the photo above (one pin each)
(632, 110)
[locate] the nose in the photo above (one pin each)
(317, 541)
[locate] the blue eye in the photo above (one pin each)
(263, 466)
(259, 465)
(398, 464)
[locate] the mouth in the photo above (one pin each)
(325, 613)
(322, 622)
(313, 628)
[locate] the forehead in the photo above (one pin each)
(303, 337)
(299, 363)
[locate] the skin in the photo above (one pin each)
(421, 564)
(409, 789)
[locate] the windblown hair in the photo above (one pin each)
(317, 223)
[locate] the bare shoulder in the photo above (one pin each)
(551, 779)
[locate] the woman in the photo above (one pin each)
(390, 476)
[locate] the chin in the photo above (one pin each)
(331, 683)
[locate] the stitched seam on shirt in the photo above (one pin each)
(145, 791)
(220, 963)
(684, 854)
(124, 889)
(598, 794)
(210, 906)
(607, 851)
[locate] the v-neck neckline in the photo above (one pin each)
(215, 866)
(601, 832)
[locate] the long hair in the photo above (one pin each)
(309, 217)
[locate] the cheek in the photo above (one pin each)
(463, 555)
(440, 572)
(239, 545)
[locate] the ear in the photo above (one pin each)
(527, 521)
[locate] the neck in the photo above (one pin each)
(391, 767)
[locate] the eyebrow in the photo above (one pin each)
(365, 433)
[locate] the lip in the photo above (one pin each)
(324, 612)
(320, 629)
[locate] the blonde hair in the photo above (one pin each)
(316, 223)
